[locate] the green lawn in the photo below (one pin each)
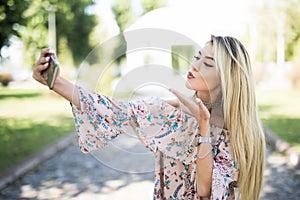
(280, 111)
(30, 120)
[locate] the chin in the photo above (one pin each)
(188, 85)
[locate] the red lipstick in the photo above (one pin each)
(190, 75)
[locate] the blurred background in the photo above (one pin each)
(32, 117)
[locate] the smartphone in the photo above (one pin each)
(50, 73)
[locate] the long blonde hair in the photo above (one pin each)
(240, 114)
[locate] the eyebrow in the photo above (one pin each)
(208, 57)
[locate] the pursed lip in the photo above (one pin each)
(190, 75)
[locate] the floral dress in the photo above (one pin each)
(171, 134)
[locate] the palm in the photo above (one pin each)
(198, 110)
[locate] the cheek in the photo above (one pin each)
(213, 81)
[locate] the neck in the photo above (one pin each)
(213, 101)
(212, 96)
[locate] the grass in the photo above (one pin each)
(30, 120)
(280, 111)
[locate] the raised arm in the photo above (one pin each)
(62, 86)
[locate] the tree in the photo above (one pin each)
(271, 14)
(292, 29)
(124, 17)
(11, 17)
(73, 24)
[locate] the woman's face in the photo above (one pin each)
(203, 75)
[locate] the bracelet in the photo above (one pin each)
(204, 139)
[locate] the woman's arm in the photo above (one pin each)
(68, 90)
(62, 86)
(172, 102)
(204, 169)
(204, 159)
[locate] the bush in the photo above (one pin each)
(5, 78)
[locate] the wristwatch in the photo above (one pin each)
(204, 139)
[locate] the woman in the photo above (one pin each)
(205, 146)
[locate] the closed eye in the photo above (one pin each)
(208, 65)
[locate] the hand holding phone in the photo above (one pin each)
(50, 73)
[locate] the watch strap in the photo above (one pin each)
(204, 139)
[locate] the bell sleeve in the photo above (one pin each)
(99, 120)
(162, 127)
(158, 125)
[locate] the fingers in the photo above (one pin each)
(42, 64)
(205, 115)
(198, 110)
(183, 99)
(204, 118)
(46, 51)
(44, 56)
(187, 102)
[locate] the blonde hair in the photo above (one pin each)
(240, 114)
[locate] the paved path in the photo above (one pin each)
(73, 175)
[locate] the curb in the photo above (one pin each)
(20, 169)
(293, 158)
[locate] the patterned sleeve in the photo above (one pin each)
(157, 124)
(99, 120)
(225, 172)
(162, 127)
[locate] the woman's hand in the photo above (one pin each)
(198, 110)
(62, 86)
(42, 64)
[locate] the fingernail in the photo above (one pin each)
(47, 58)
(198, 100)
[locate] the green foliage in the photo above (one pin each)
(11, 17)
(292, 31)
(35, 34)
(123, 13)
(124, 17)
(73, 24)
(150, 5)
(270, 15)
(267, 32)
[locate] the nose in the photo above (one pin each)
(195, 67)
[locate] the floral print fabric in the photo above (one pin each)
(168, 132)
